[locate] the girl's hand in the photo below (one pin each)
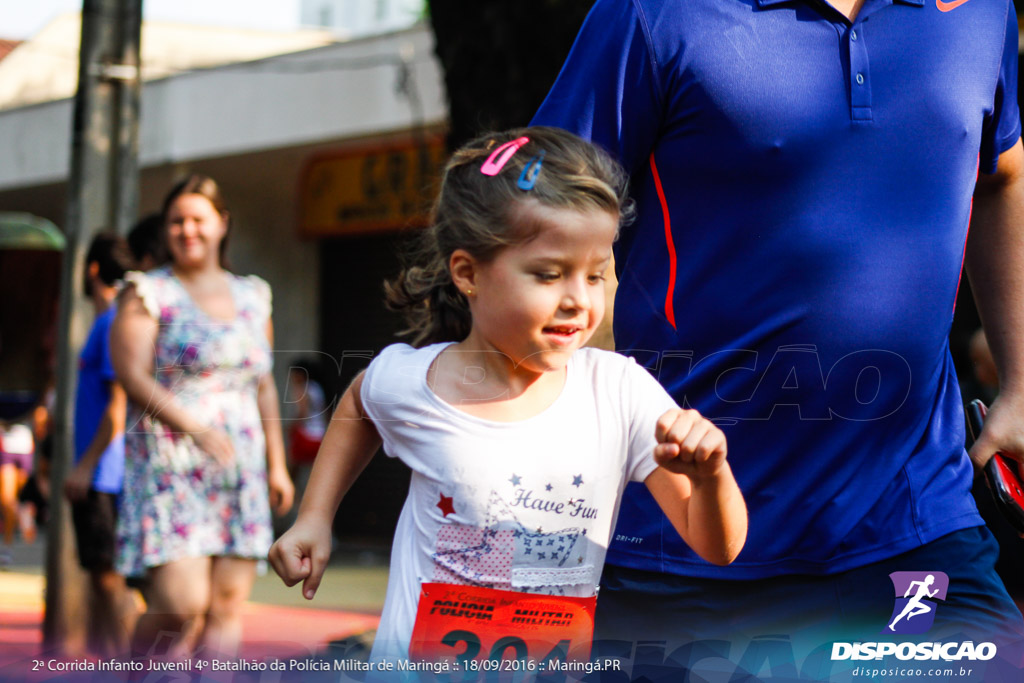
(302, 554)
(282, 491)
(688, 444)
(216, 443)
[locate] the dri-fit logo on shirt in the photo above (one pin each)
(916, 596)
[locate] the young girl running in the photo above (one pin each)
(519, 440)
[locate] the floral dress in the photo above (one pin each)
(178, 501)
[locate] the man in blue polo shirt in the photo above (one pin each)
(804, 175)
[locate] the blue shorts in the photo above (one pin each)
(665, 620)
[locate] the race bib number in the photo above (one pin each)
(466, 623)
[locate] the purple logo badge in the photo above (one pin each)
(916, 596)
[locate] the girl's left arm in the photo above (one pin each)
(695, 487)
(279, 483)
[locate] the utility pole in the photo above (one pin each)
(102, 193)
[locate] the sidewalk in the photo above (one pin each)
(278, 622)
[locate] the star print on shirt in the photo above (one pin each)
(548, 487)
(528, 541)
(503, 552)
(446, 505)
(471, 556)
(515, 479)
(577, 480)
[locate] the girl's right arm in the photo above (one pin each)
(301, 554)
(695, 487)
(133, 337)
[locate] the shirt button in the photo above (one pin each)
(853, 35)
(860, 79)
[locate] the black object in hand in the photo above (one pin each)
(1001, 473)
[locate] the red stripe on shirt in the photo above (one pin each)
(963, 256)
(670, 311)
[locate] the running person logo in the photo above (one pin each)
(916, 595)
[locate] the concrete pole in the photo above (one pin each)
(102, 193)
(127, 73)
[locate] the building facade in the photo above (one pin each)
(325, 156)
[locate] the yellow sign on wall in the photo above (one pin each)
(383, 187)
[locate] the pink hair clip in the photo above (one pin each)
(495, 162)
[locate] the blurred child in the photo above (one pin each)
(94, 484)
(307, 411)
(16, 453)
(520, 441)
(146, 242)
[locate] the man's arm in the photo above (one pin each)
(76, 486)
(995, 266)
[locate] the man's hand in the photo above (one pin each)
(1003, 431)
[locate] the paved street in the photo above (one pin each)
(279, 622)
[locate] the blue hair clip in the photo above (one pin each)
(528, 178)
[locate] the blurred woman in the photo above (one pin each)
(204, 460)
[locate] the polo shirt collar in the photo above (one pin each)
(764, 4)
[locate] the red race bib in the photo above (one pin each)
(465, 623)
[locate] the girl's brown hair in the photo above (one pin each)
(478, 213)
(204, 186)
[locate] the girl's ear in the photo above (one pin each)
(463, 268)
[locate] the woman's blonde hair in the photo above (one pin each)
(478, 212)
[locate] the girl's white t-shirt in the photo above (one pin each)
(544, 492)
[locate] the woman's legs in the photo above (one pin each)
(231, 583)
(178, 597)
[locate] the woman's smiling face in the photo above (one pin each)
(195, 230)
